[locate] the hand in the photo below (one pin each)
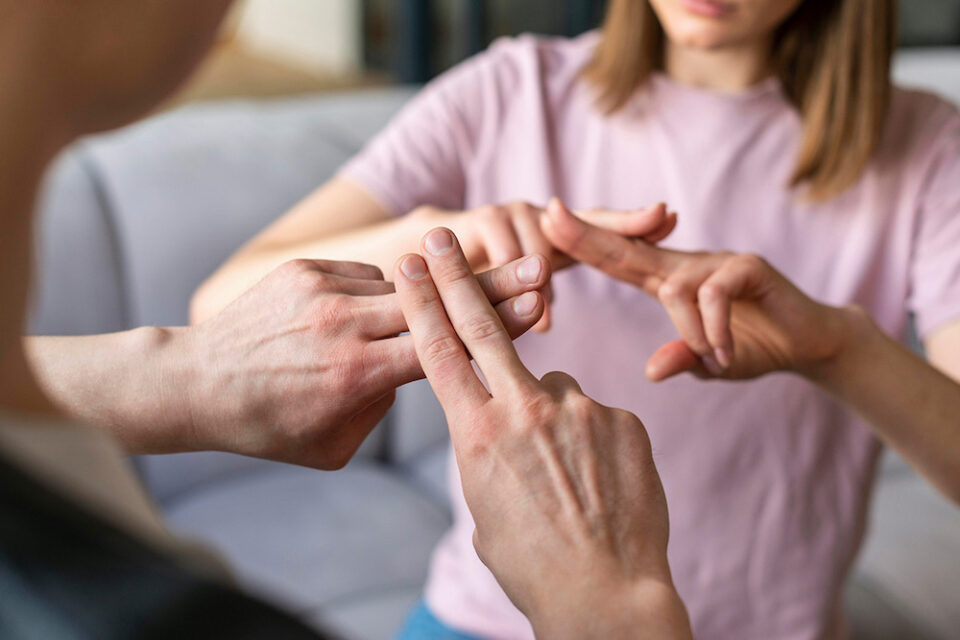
(737, 316)
(304, 365)
(570, 514)
(494, 235)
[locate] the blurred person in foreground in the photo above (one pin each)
(84, 554)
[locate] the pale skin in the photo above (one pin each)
(908, 401)
(547, 472)
(308, 334)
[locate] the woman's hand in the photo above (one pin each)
(737, 316)
(494, 235)
(570, 513)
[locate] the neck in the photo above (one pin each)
(730, 69)
(29, 139)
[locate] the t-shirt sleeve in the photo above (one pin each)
(935, 269)
(422, 156)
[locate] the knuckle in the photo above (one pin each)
(293, 268)
(751, 261)
(672, 290)
(493, 212)
(480, 327)
(711, 292)
(538, 413)
(581, 407)
(340, 307)
(441, 349)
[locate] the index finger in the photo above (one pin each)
(471, 314)
(627, 259)
(441, 354)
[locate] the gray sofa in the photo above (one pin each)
(133, 221)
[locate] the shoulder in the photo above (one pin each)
(920, 122)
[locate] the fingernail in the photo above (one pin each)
(525, 304)
(413, 267)
(723, 356)
(711, 365)
(438, 242)
(529, 270)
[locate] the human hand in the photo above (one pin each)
(304, 365)
(494, 235)
(570, 514)
(737, 316)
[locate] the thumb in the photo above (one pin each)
(637, 223)
(671, 359)
(626, 259)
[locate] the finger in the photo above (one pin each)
(738, 277)
(349, 269)
(558, 382)
(678, 295)
(532, 241)
(669, 224)
(522, 275)
(499, 237)
(671, 359)
(626, 259)
(639, 222)
(437, 346)
(397, 360)
(715, 304)
(470, 313)
(381, 316)
(355, 286)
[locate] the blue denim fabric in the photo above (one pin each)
(422, 625)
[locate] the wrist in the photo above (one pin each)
(170, 415)
(647, 608)
(852, 328)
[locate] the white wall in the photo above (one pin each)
(317, 35)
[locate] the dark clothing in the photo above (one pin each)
(67, 574)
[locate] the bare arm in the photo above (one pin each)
(739, 319)
(913, 407)
(339, 221)
(298, 369)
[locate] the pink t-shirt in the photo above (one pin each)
(768, 481)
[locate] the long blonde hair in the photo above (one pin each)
(833, 61)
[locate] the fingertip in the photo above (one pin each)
(527, 304)
(411, 266)
(438, 241)
(534, 270)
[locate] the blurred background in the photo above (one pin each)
(283, 47)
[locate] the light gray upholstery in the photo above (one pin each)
(133, 221)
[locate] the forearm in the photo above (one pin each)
(134, 384)
(379, 244)
(912, 406)
(648, 610)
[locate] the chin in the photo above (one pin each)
(704, 37)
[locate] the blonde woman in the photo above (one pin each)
(772, 128)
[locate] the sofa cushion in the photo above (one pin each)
(319, 543)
